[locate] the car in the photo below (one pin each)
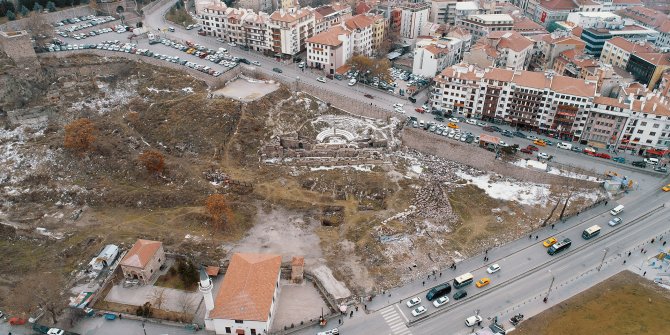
(651, 161)
(666, 188)
(641, 164)
(540, 143)
(526, 151)
(255, 62)
(496, 128)
(493, 268)
(278, 70)
(483, 282)
(333, 331)
(615, 221)
(454, 120)
(507, 133)
(352, 82)
(481, 124)
(531, 137)
(321, 79)
(603, 155)
(452, 125)
(460, 295)
(473, 320)
(576, 149)
(532, 147)
(441, 301)
(543, 155)
(55, 331)
(418, 311)
(413, 302)
(549, 242)
(471, 121)
(232, 44)
(661, 169)
(398, 105)
(619, 159)
(519, 134)
(171, 29)
(301, 65)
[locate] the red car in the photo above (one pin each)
(420, 110)
(526, 151)
(603, 155)
(532, 148)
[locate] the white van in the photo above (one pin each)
(651, 161)
(563, 145)
(616, 210)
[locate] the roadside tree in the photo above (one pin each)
(39, 293)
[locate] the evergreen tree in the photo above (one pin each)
(37, 8)
(11, 16)
(24, 11)
(51, 6)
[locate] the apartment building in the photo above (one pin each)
(413, 18)
(504, 49)
(595, 38)
(361, 33)
(330, 49)
(432, 55)
(482, 24)
(617, 51)
(663, 39)
(606, 122)
(379, 31)
(530, 100)
(446, 11)
(289, 28)
(647, 68)
(575, 64)
(330, 15)
(648, 126)
(242, 26)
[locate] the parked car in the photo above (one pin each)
(526, 151)
(321, 79)
(276, 69)
(441, 301)
(532, 147)
(473, 320)
(651, 161)
(333, 331)
(481, 124)
(540, 143)
(661, 169)
(413, 302)
(418, 311)
(619, 159)
(452, 125)
(531, 137)
(519, 134)
(487, 128)
(471, 121)
(603, 155)
(507, 133)
(576, 149)
(641, 164)
(543, 155)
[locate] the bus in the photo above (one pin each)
(560, 246)
(462, 280)
(591, 232)
(438, 291)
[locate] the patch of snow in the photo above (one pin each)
(573, 175)
(416, 169)
(187, 89)
(362, 168)
(155, 90)
(523, 193)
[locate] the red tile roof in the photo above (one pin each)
(248, 288)
(141, 253)
(558, 4)
(629, 46)
(572, 86)
(515, 41)
(609, 102)
(361, 21)
(329, 37)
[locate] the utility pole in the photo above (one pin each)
(603, 260)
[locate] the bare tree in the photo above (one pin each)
(158, 297)
(544, 223)
(43, 290)
(186, 302)
(39, 28)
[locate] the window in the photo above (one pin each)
(227, 330)
(239, 321)
(253, 331)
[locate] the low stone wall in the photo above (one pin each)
(60, 15)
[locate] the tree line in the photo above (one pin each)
(12, 9)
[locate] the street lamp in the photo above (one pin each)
(297, 80)
(603, 260)
(550, 285)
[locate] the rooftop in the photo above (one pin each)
(141, 253)
(492, 17)
(515, 41)
(360, 21)
(629, 46)
(248, 288)
(558, 4)
(329, 37)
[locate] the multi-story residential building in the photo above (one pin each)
(330, 49)
(446, 11)
(289, 28)
(648, 126)
(617, 51)
(606, 122)
(288, 4)
(527, 27)
(482, 25)
(413, 18)
(531, 100)
(547, 11)
(462, 35)
(432, 55)
(330, 15)
(256, 5)
(644, 16)
(647, 68)
(379, 32)
(620, 4)
(663, 40)
(361, 33)
(551, 45)
(242, 26)
(505, 49)
(595, 38)
(575, 64)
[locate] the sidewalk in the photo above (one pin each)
(416, 288)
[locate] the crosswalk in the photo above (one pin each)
(395, 321)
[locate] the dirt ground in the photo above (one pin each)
(625, 304)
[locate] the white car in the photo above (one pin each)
(255, 62)
(413, 302)
(400, 110)
(333, 331)
(454, 120)
(451, 134)
(352, 82)
(543, 155)
(531, 137)
(493, 268)
(471, 121)
(321, 79)
(232, 44)
(396, 105)
(418, 311)
(439, 302)
(55, 331)
(481, 124)
(473, 320)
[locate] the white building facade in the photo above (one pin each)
(413, 18)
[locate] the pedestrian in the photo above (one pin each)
(644, 274)
(356, 308)
(552, 226)
(423, 283)
(642, 250)
(664, 243)
(530, 236)
(545, 300)
(339, 321)
(629, 254)
(645, 252)
(351, 315)
(486, 251)
(652, 240)
(605, 202)
(624, 261)
(365, 307)
(537, 236)
(428, 277)
(441, 272)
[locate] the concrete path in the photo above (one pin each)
(174, 300)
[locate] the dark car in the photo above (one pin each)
(338, 77)
(297, 60)
(278, 70)
(507, 133)
(641, 164)
(439, 119)
(526, 151)
(576, 149)
(495, 128)
(519, 134)
(244, 60)
(412, 99)
(460, 295)
(532, 148)
(488, 128)
(438, 291)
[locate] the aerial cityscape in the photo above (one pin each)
(272, 167)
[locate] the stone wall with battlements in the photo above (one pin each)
(17, 45)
